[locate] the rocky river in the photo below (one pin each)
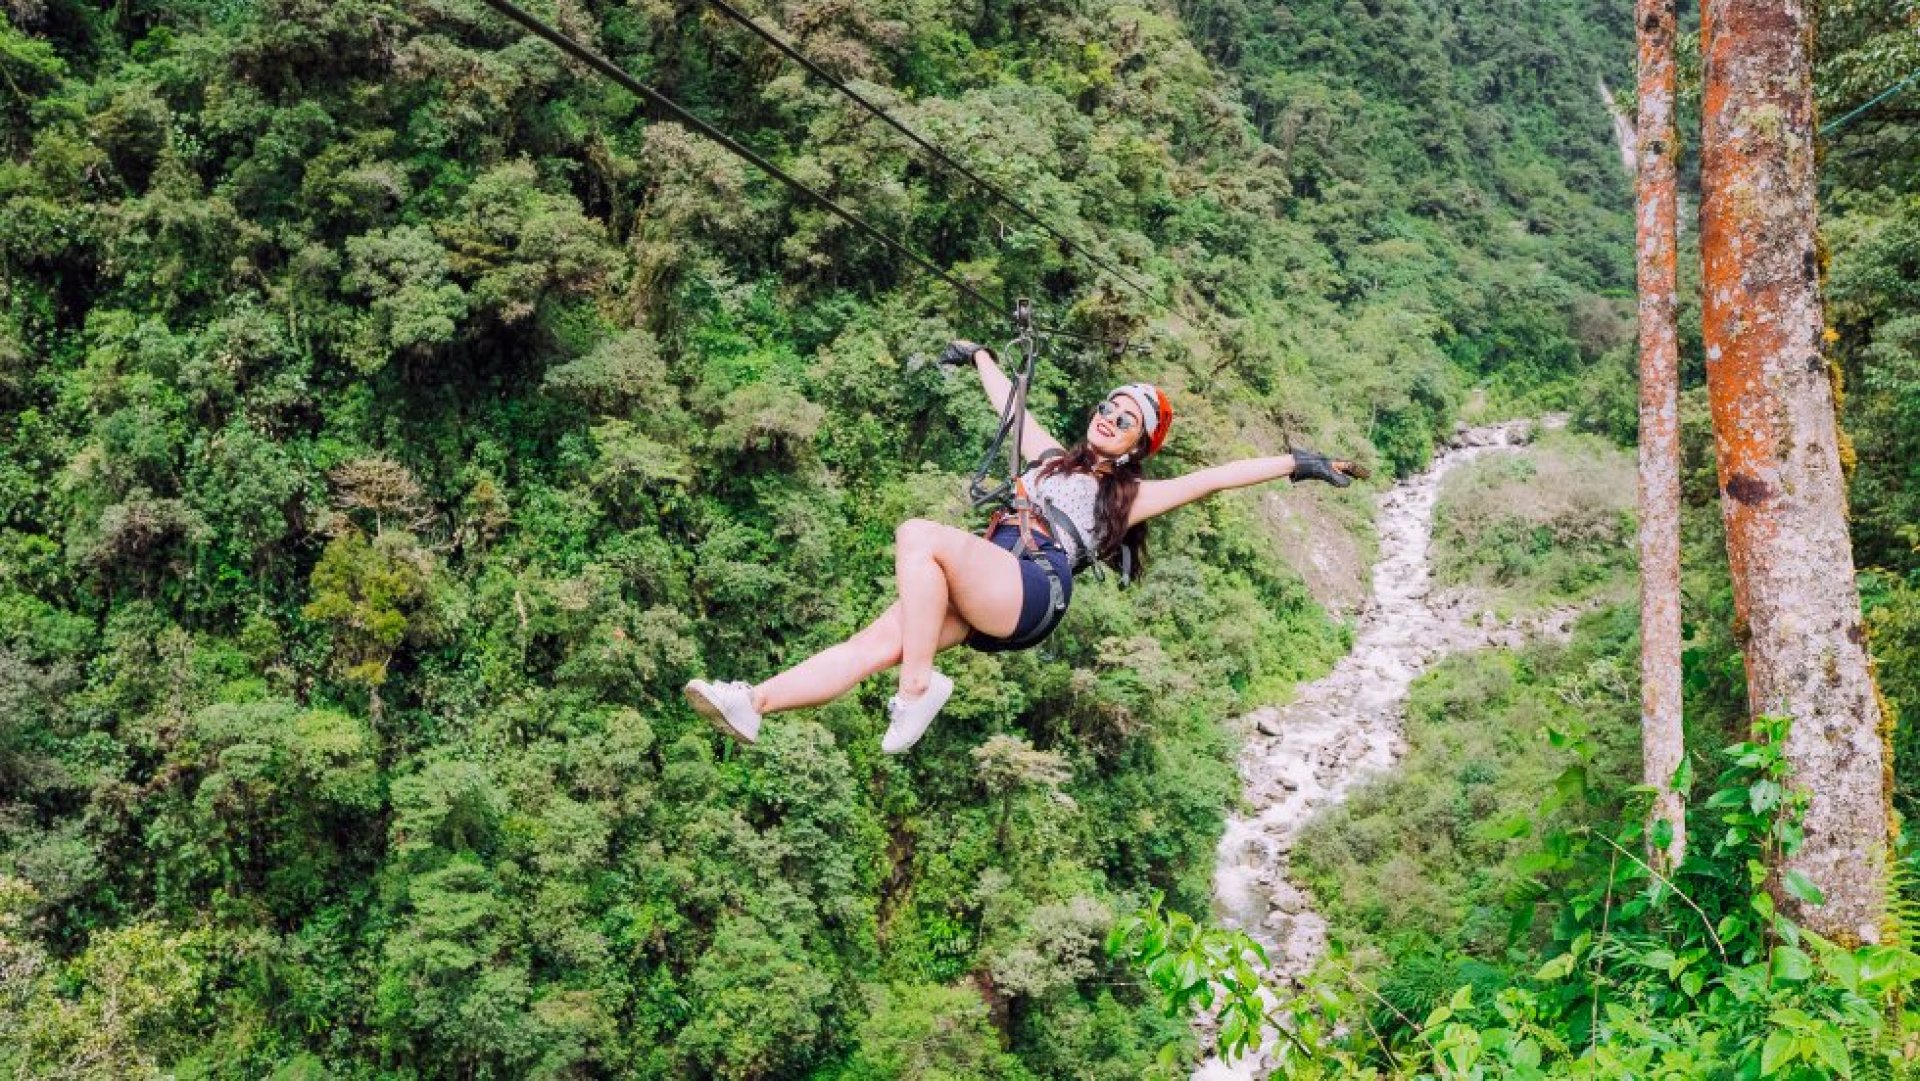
(1302, 756)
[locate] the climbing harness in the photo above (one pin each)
(1029, 511)
(1009, 498)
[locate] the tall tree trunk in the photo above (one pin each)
(1776, 438)
(1661, 740)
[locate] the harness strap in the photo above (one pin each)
(1027, 522)
(1056, 590)
(1051, 523)
(1023, 514)
(1063, 526)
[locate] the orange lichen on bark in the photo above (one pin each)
(1780, 452)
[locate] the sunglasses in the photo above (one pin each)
(1123, 421)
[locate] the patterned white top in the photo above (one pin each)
(1073, 496)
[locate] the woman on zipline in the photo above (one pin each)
(1008, 590)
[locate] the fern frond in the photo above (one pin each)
(1901, 927)
(1872, 1048)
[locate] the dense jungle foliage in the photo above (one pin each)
(1492, 916)
(395, 416)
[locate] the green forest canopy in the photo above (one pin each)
(396, 417)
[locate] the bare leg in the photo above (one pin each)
(835, 670)
(940, 569)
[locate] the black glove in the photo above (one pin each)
(960, 351)
(1312, 465)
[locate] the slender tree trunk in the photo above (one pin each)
(1662, 742)
(1777, 441)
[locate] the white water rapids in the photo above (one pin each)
(1345, 726)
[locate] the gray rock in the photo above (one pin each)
(1287, 899)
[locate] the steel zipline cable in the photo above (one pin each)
(798, 57)
(1830, 128)
(618, 75)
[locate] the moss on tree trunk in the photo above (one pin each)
(1777, 442)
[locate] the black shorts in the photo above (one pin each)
(1039, 615)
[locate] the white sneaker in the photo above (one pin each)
(729, 706)
(911, 718)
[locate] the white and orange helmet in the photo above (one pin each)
(1155, 410)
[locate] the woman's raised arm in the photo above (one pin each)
(1034, 440)
(1157, 497)
(1160, 496)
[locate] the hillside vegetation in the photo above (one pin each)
(1551, 526)
(395, 417)
(1490, 914)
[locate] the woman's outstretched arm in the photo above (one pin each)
(1157, 497)
(1033, 438)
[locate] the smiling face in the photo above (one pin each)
(1117, 427)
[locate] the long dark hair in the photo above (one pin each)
(1123, 549)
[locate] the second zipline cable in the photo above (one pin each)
(619, 75)
(730, 11)
(1830, 128)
